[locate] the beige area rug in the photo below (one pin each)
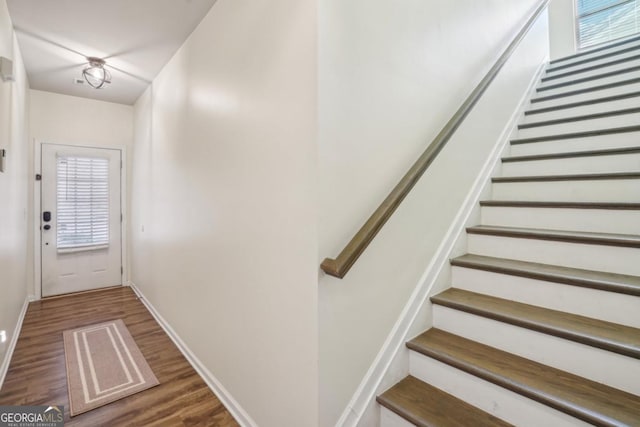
(104, 364)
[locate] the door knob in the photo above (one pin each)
(47, 227)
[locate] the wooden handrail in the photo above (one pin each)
(340, 266)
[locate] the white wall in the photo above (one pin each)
(223, 234)
(562, 28)
(14, 202)
(390, 77)
(64, 119)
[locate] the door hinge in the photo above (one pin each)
(121, 218)
(121, 164)
(121, 270)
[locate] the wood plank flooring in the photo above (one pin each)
(37, 374)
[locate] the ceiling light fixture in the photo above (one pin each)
(95, 74)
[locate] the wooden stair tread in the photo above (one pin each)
(427, 406)
(590, 67)
(554, 68)
(559, 205)
(542, 88)
(572, 177)
(573, 154)
(584, 399)
(610, 282)
(585, 117)
(575, 135)
(596, 49)
(582, 103)
(586, 90)
(609, 336)
(610, 239)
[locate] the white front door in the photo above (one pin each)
(80, 219)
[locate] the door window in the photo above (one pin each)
(82, 196)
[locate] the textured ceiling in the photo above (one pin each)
(135, 37)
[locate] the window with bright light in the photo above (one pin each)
(82, 203)
(600, 21)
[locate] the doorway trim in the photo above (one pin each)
(37, 194)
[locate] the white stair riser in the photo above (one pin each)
(601, 107)
(500, 402)
(606, 190)
(553, 68)
(611, 122)
(621, 371)
(608, 306)
(595, 220)
(611, 259)
(390, 419)
(600, 142)
(544, 90)
(574, 165)
(597, 72)
(600, 93)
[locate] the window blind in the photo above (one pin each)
(82, 203)
(600, 21)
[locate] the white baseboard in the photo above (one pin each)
(241, 416)
(360, 403)
(4, 368)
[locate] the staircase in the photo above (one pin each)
(541, 326)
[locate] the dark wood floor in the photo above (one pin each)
(37, 374)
